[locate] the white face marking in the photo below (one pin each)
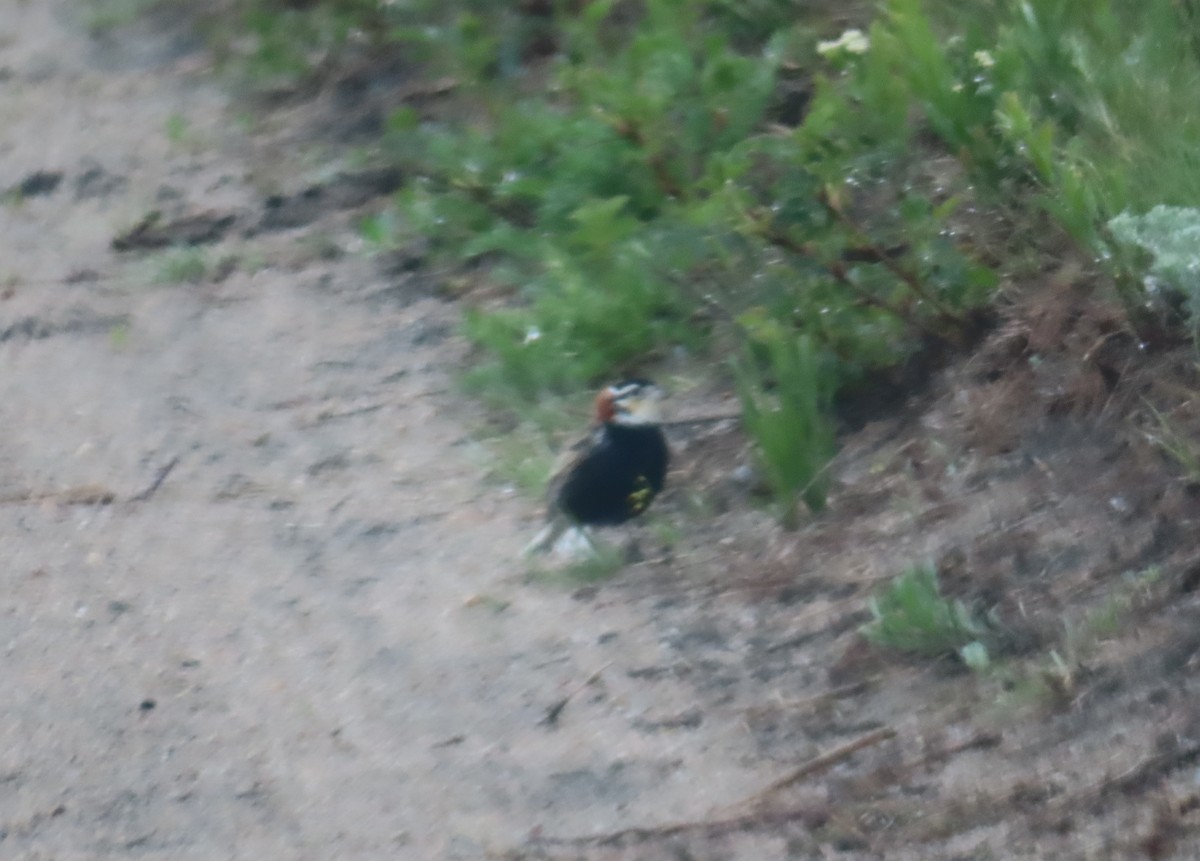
(626, 390)
(635, 403)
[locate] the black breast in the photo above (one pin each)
(618, 477)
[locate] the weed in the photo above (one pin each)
(1047, 683)
(910, 615)
(666, 533)
(600, 562)
(181, 265)
(1183, 450)
(178, 128)
(118, 336)
(603, 563)
(1081, 637)
(102, 15)
(523, 457)
(784, 406)
(491, 603)
(1053, 679)
(1095, 101)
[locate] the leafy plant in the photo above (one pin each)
(911, 615)
(646, 174)
(951, 82)
(785, 400)
(1170, 237)
(626, 179)
(290, 40)
(580, 323)
(1087, 102)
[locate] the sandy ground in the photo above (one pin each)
(293, 647)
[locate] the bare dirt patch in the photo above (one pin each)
(1027, 474)
(262, 602)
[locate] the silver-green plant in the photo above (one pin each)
(911, 615)
(1170, 235)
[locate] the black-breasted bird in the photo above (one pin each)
(616, 473)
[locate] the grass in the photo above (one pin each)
(639, 178)
(787, 414)
(1109, 618)
(523, 457)
(604, 562)
(178, 128)
(180, 266)
(1054, 679)
(1176, 444)
(911, 616)
(118, 337)
(101, 15)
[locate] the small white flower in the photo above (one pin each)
(985, 59)
(853, 41)
(533, 333)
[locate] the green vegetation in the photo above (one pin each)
(178, 128)
(1082, 637)
(1170, 238)
(738, 181)
(1176, 444)
(523, 457)
(598, 561)
(101, 15)
(1052, 679)
(118, 336)
(181, 266)
(911, 616)
(788, 417)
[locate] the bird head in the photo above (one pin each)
(630, 402)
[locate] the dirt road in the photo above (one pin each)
(312, 639)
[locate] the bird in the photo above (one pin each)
(615, 473)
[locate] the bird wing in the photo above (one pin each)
(557, 521)
(570, 457)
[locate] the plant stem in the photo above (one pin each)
(905, 274)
